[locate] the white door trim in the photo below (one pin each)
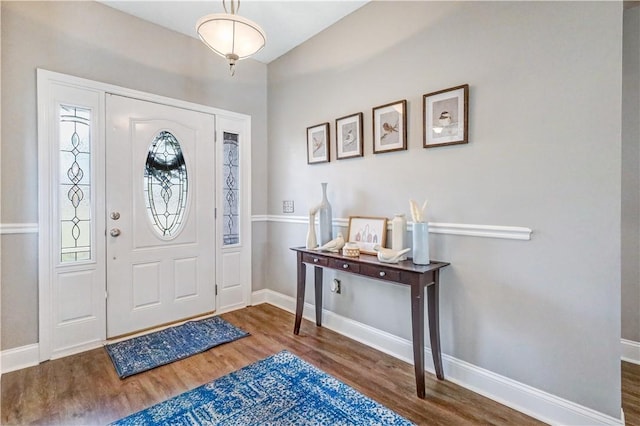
(46, 82)
(232, 289)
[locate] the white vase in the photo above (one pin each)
(312, 241)
(398, 232)
(326, 221)
(421, 243)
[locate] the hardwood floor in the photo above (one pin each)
(84, 388)
(631, 393)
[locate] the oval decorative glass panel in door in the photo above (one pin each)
(166, 185)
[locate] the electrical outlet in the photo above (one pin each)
(287, 206)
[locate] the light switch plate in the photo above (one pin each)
(287, 206)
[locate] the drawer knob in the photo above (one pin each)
(315, 260)
(383, 273)
(345, 266)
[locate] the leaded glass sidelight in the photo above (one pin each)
(231, 192)
(75, 183)
(165, 184)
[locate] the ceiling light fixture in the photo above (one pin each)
(231, 36)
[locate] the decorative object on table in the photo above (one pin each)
(387, 255)
(420, 233)
(390, 127)
(318, 144)
(366, 232)
(398, 233)
(351, 250)
(445, 117)
(312, 241)
(349, 142)
(162, 347)
(280, 389)
(326, 220)
(333, 246)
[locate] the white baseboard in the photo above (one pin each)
(630, 351)
(76, 349)
(526, 399)
(29, 355)
(259, 296)
(19, 358)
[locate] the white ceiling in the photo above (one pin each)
(286, 23)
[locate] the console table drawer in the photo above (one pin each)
(380, 273)
(314, 260)
(344, 265)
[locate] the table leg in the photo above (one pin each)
(434, 326)
(302, 276)
(318, 283)
(417, 329)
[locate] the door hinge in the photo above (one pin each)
(216, 289)
(215, 213)
(106, 294)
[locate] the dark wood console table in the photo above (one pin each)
(416, 276)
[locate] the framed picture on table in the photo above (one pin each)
(367, 232)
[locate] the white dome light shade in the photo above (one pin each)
(231, 36)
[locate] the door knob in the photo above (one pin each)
(114, 232)
(115, 215)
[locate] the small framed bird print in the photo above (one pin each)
(446, 117)
(390, 127)
(349, 136)
(318, 144)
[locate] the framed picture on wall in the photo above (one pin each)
(446, 117)
(390, 127)
(318, 143)
(367, 232)
(349, 136)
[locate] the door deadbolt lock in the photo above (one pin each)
(115, 215)
(114, 232)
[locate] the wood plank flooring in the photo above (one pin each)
(84, 389)
(631, 393)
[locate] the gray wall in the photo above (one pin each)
(544, 152)
(90, 40)
(631, 176)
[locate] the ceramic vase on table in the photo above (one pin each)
(398, 230)
(312, 241)
(326, 221)
(421, 243)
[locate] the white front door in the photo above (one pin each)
(160, 201)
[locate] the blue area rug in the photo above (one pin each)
(162, 347)
(279, 390)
